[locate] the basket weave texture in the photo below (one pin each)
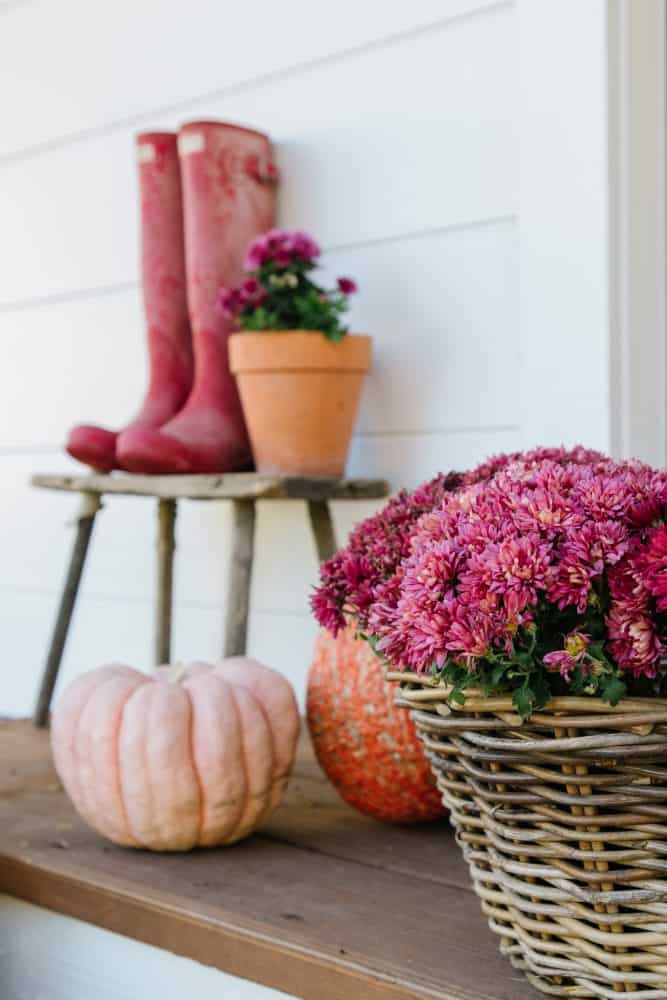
(562, 820)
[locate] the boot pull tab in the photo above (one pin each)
(267, 173)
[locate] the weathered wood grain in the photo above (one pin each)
(166, 545)
(232, 486)
(323, 529)
(85, 521)
(240, 575)
(324, 903)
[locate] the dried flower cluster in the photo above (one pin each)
(538, 574)
(278, 292)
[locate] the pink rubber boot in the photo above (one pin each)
(165, 305)
(228, 198)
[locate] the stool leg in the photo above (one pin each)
(90, 504)
(166, 545)
(240, 572)
(323, 529)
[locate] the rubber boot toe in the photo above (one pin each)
(94, 446)
(154, 452)
(144, 450)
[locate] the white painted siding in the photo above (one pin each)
(46, 956)
(440, 150)
(396, 131)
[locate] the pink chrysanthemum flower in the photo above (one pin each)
(281, 246)
(655, 566)
(574, 651)
(376, 547)
(385, 539)
(481, 568)
(534, 535)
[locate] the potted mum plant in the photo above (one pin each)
(298, 370)
(525, 622)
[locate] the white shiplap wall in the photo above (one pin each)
(47, 956)
(396, 132)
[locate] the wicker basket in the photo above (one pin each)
(563, 822)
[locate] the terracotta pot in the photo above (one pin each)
(300, 394)
(367, 745)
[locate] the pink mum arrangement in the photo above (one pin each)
(350, 580)
(376, 546)
(539, 574)
(278, 292)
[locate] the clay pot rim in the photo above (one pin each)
(297, 350)
(231, 126)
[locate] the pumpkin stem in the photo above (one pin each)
(175, 672)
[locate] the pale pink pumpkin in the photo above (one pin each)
(191, 756)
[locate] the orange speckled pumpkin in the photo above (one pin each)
(367, 747)
(191, 756)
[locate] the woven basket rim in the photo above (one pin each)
(477, 702)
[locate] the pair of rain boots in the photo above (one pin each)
(205, 193)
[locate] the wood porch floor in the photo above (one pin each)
(323, 903)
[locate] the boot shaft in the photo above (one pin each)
(229, 197)
(163, 255)
(228, 186)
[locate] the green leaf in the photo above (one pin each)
(497, 674)
(541, 690)
(300, 305)
(524, 660)
(613, 689)
(336, 335)
(523, 700)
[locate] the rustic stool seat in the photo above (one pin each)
(242, 489)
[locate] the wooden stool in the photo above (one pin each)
(243, 489)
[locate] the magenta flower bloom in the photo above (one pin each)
(281, 246)
(258, 253)
(229, 302)
(250, 293)
(376, 547)
(573, 653)
(280, 291)
(476, 570)
(327, 611)
(385, 539)
(250, 289)
(654, 566)
(303, 246)
(282, 258)
(347, 286)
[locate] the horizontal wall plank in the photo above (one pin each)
(178, 54)
(81, 361)
(443, 313)
(36, 533)
(441, 309)
(97, 635)
(121, 632)
(409, 459)
(401, 140)
(287, 567)
(35, 538)
(80, 960)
